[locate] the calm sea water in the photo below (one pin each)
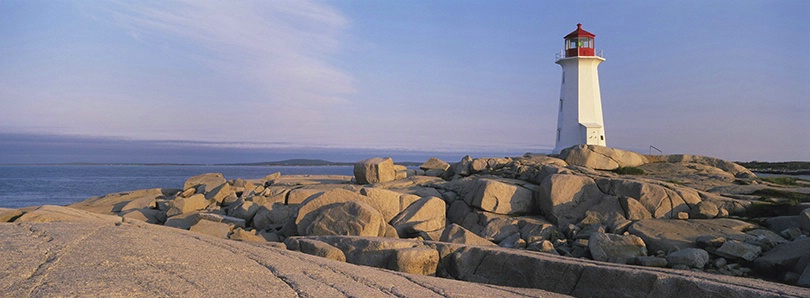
(31, 185)
(805, 177)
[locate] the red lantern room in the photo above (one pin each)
(579, 43)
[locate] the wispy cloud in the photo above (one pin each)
(282, 46)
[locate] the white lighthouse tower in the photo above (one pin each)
(579, 120)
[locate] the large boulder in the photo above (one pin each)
(616, 248)
(739, 250)
(435, 164)
(186, 205)
(374, 170)
(215, 217)
(354, 218)
(498, 229)
(784, 257)
(457, 211)
(208, 181)
(463, 167)
(223, 194)
(457, 234)
(140, 203)
(299, 195)
(608, 212)
(660, 201)
(766, 239)
(704, 210)
(419, 260)
(601, 157)
(804, 278)
(633, 209)
(366, 251)
(689, 257)
(401, 255)
(311, 208)
(114, 202)
(733, 168)
(184, 220)
(426, 214)
(240, 234)
(321, 249)
(479, 165)
(387, 202)
(781, 223)
(565, 198)
(243, 209)
(537, 231)
(213, 228)
(501, 196)
(804, 220)
(273, 194)
(273, 216)
(669, 235)
(147, 215)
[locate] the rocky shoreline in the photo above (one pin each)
(592, 221)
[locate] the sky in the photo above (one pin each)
(246, 81)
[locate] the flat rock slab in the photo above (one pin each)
(293, 180)
(670, 234)
(51, 213)
(142, 260)
(114, 202)
(577, 277)
(690, 174)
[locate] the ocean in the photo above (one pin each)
(30, 185)
(805, 177)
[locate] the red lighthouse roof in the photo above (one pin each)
(580, 33)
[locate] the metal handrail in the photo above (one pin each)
(561, 54)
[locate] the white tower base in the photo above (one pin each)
(579, 119)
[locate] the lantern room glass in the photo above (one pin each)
(579, 42)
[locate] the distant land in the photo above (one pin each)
(287, 162)
(786, 168)
(308, 162)
(295, 162)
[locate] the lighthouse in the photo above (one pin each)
(579, 120)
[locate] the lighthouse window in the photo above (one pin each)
(561, 102)
(581, 42)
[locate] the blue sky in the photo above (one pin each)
(721, 78)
